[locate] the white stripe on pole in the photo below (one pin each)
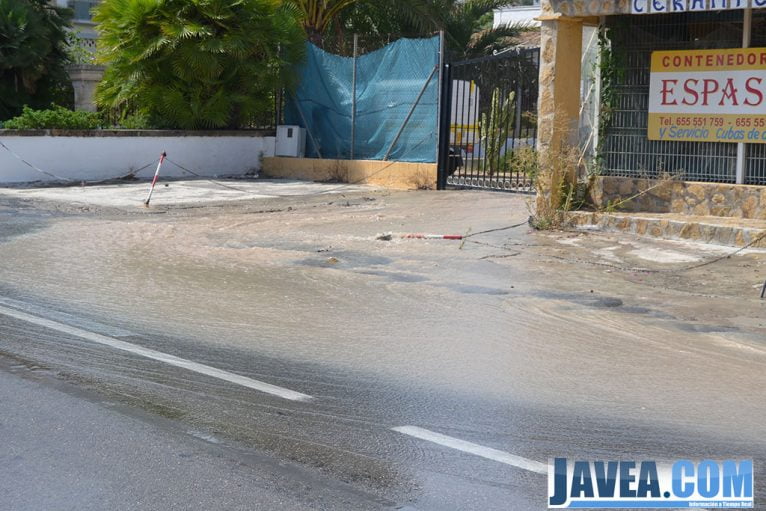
(156, 177)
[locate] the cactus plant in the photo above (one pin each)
(495, 128)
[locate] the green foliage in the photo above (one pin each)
(612, 73)
(467, 23)
(487, 41)
(136, 122)
(468, 32)
(195, 64)
(524, 161)
(33, 55)
(558, 188)
(317, 16)
(494, 129)
(575, 195)
(378, 23)
(56, 117)
(76, 50)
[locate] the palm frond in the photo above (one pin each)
(493, 39)
(195, 63)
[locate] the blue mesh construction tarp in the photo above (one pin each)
(388, 84)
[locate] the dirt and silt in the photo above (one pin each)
(606, 325)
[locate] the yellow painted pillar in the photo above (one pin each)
(558, 104)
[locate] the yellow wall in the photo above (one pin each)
(387, 174)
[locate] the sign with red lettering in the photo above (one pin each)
(708, 96)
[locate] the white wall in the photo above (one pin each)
(105, 157)
(527, 15)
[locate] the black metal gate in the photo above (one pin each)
(488, 122)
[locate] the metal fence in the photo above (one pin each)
(755, 168)
(625, 149)
(488, 125)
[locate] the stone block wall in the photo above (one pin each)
(584, 8)
(689, 198)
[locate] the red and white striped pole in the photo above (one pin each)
(419, 236)
(156, 177)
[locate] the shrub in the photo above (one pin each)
(195, 64)
(56, 117)
(135, 122)
(33, 56)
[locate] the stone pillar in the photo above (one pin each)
(558, 103)
(84, 78)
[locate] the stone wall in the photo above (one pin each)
(584, 8)
(558, 111)
(689, 198)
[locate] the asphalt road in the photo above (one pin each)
(68, 449)
(276, 356)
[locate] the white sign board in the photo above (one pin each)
(671, 6)
(708, 96)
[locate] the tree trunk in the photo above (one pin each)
(314, 36)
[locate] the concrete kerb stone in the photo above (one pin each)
(668, 228)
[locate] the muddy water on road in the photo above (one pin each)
(314, 286)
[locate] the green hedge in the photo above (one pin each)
(56, 117)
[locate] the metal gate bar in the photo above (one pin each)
(488, 122)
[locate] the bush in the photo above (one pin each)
(33, 56)
(56, 117)
(136, 122)
(195, 64)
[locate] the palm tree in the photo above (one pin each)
(195, 63)
(33, 56)
(468, 24)
(317, 15)
(494, 39)
(333, 20)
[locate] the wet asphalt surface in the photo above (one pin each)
(499, 342)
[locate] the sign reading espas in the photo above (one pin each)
(708, 96)
(666, 6)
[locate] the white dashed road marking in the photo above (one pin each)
(476, 449)
(157, 355)
(68, 319)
